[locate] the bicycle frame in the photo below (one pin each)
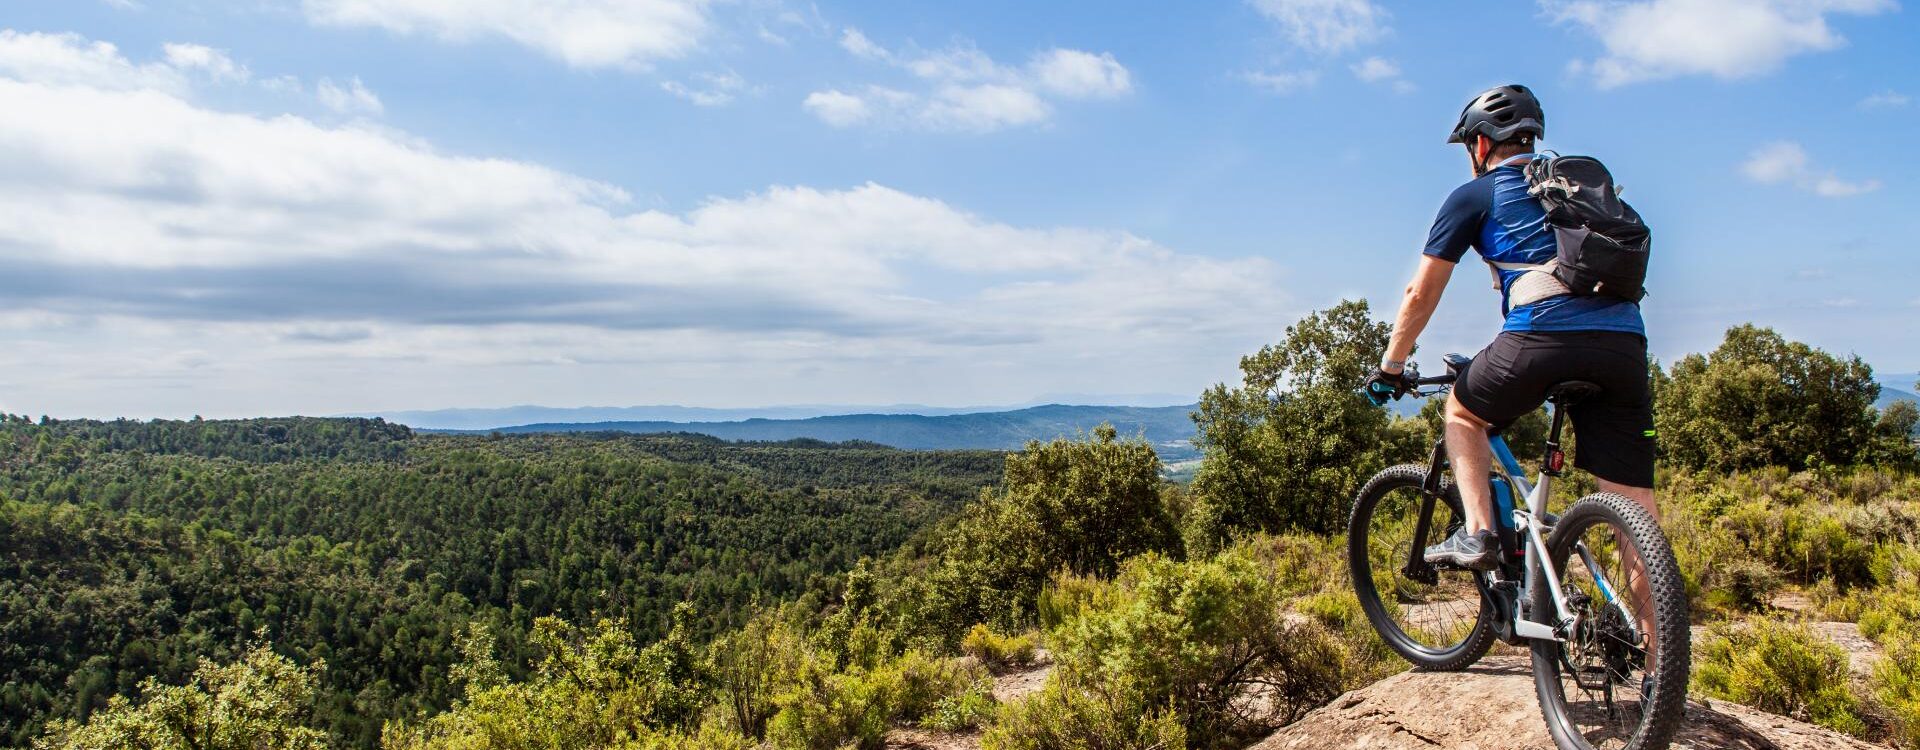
(1534, 494)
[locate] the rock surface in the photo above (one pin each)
(1492, 707)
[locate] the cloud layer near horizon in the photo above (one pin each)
(132, 213)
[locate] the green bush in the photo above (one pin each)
(1896, 687)
(1781, 667)
(1061, 717)
(592, 688)
(1082, 506)
(996, 650)
(1179, 642)
(263, 700)
(1068, 596)
(967, 710)
(826, 710)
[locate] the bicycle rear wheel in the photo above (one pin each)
(1619, 682)
(1437, 619)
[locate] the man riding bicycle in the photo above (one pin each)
(1550, 335)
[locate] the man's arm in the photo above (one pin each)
(1416, 308)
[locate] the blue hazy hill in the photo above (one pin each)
(1168, 428)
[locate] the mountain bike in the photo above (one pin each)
(1610, 663)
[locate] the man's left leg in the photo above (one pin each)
(1636, 572)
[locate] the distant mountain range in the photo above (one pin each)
(1168, 428)
(508, 416)
(910, 426)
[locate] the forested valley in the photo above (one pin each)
(347, 584)
(131, 550)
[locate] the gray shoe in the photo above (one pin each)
(1476, 551)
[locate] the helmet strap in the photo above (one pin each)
(1482, 145)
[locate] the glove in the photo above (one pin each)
(1383, 386)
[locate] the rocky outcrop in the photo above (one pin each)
(1492, 707)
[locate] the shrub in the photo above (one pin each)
(827, 709)
(592, 688)
(1068, 596)
(1181, 643)
(1896, 687)
(1742, 584)
(260, 701)
(1062, 717)
(1895, 605)
(1780, 667)
(751, 666)
(1079, 505)
(997, 650)
(967, 710)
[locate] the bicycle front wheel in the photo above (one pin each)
(1437, 619)
(1619, 681)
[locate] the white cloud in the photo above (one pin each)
(857, 43)
(838, 108)
(1283, 81)
(711, 89)
(1375, 69)
(1072, 73)
(73, 60)
(581, 33)
(1888, 99)
(965, 90)
(1785, 162)
(1383, 72)
(983, 108)
(69, 59)
(1656, 39)
(214, 63)
(352, 99)
(299, 259)
(1326, 26)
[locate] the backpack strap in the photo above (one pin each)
(1535, 283)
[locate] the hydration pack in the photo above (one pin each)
(1602, 244)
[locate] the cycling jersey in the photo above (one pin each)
(1494, 215)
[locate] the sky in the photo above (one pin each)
(267, 207)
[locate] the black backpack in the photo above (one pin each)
(1603, 245)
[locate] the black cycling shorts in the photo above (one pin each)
(1613, 430)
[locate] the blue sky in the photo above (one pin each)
(322, 206)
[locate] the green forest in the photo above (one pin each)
(325, 583)
(131, 550)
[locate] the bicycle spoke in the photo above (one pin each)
(1436, 616)
(1602, 665)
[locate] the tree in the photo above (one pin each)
(1762, 400)
(1893, 436)
(1080, 505)
(259, 702)
(1289, 445)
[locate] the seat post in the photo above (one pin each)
(1554, 460)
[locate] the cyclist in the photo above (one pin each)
(1549, 335)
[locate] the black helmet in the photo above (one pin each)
(1499, 114)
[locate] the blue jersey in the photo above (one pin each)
(1494, 215)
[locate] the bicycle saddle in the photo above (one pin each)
(1570, 391)
(1457, 363)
